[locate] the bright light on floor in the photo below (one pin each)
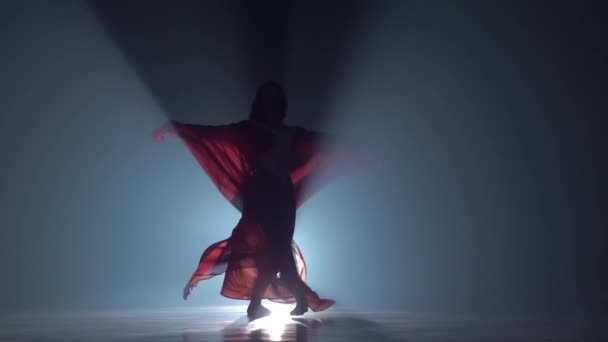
(274, 325)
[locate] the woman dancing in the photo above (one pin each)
(266, 169)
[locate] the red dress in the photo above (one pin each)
(229, 155)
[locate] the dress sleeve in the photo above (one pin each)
(321, 159)
(229, 154)
(225, 152)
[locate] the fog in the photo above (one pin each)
(490, 120)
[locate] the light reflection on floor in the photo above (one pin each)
(273, 326)
(230, 324)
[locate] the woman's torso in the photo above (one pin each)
(276, 159)
(269, 195)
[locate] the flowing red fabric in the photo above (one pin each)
(228, 154)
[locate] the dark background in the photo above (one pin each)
(490, 117)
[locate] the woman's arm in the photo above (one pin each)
(225, 152)
(173, 128)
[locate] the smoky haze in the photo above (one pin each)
(490, 119)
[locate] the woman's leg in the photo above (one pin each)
(287, 262)
(289, 272)
(266, 272)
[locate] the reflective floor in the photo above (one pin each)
(229, 324)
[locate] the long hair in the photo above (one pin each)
(257, 111)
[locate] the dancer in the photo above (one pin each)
(266, 169)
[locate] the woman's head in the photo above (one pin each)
(269, 104)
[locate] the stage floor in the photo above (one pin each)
(230, 324)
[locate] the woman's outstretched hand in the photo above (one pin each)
(165, 130)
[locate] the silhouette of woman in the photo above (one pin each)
(266, 169)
